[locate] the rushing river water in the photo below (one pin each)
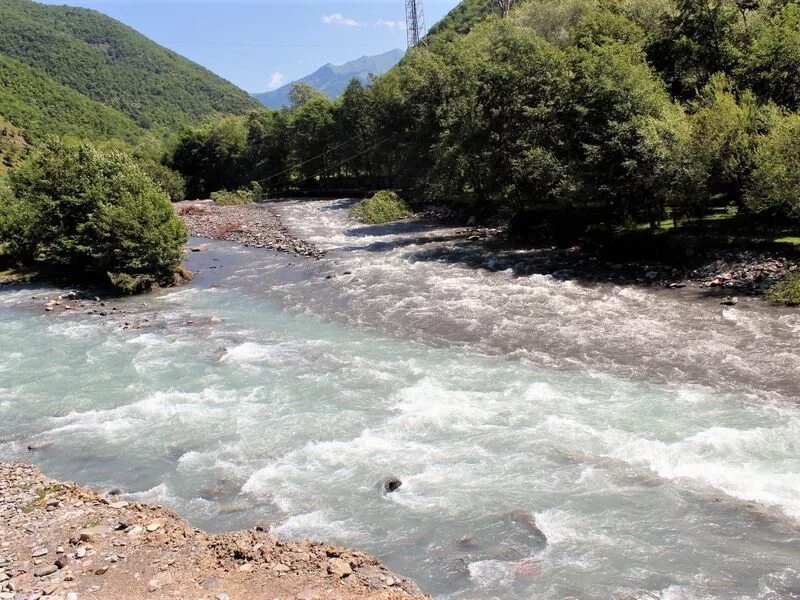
(653, 437)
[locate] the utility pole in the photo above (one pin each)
(504, 6)
(415, 23)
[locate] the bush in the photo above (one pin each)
(168, 180)
(775, 183)
(787, 292)
(384, 207)
(226, 198)
(91, 214)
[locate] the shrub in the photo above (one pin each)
(91, 214)
(787, 292)
(384, 207)
(775, 183)
(226, 198)
(168, 180)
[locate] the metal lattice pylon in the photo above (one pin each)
(415, 23)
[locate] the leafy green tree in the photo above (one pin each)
(613, 96)
(313, 138)
(725, 128)
(302, 93)
(775, 184)
(92, 214)
(703, 38)
(269, 148)
(211, 156)
(771, 66)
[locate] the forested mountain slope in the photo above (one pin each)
(32, 100)
(112, 64)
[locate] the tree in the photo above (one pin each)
(775, 185)
(302, 93)
(91, 214)
(210, 156)
(724, 133)
(269, 148)
(771, 66)
(503, 7)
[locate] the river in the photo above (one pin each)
(651, 436)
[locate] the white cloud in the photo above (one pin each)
(276, 80)
(390, 24)
(339, 19)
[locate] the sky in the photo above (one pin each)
(261, 44)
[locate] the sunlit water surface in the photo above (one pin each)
(653, 437)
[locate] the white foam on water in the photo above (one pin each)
(316, 526)
(251, 352)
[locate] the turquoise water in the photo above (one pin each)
(652, 437)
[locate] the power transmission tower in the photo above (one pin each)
(504, 6)
(415, 23)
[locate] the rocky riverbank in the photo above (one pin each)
(253, 225)
(723, 273)
(60, 541)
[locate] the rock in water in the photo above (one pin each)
(390, 484)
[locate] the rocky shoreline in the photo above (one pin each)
(60, 541)
(723, 273)
(252, 225)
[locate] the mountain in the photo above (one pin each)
(112, 64)
(40, 105)
(333, 79)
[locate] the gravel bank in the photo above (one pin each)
(59, 541)
(252, 225)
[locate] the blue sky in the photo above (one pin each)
(259, 44)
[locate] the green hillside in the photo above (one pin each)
(112, 64)
(41, 106)
(460, 20)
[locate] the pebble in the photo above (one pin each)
(153, 527)
(45, 571)
(39, 552)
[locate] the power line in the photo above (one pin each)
(312, 159)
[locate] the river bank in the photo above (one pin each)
(60, 541)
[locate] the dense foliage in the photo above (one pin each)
(382, 207)
(112, 64)
(33, 100)
(90, 213)
(598, 115)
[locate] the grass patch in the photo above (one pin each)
(787, 292)
(236, 198)
(384, 207)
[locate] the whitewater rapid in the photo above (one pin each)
(554, 439)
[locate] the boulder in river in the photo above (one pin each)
(390, 484)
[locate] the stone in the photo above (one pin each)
(39, 552)
(307, 595)
(223, 597)
(159, 581)
(81, 552)
(118, 505)
(210, 583)
(93, 534)
(339, 568)
(45, 571)
(281, 568)
(61, 562)
(246, 568)
(153, 527)
(72, 596)
(102, 570)
(390, 484)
